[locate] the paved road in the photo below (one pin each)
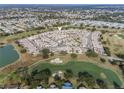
(115, 58)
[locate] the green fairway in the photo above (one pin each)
(82, 66)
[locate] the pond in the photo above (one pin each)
(8, 55)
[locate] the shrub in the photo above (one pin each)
(73, 55)
(63, 52)
(120, 55)
(23, 50)
(101, 83)
(45, 52)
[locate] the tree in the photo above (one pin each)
(93, 29)
(104, 42)
(116, 85)
(34, 72)
(68, 74)
(47, 71)
(45, 52)
(91, 53)
(6, 34)
(57, 78)
(59, 81)
(22, 71)
(105, 27)
(122, 67)
(73, 55)
(101, 83)
(51, 54)
(120, 55)
(108, 41)
(113, 62)
(81, 85)
(107, 51)
(42, 75)
(24, 75)
(103, 31)
(102, 60)
(23, 50)
(81, 26)
(88, 78)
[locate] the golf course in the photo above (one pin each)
(107, 75)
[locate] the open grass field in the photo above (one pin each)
(121, 36)
(2, 77)
(116, 43)
(108, 75)
(23, 35)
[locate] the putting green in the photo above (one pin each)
(96, 71)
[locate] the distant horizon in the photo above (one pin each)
(56, 5)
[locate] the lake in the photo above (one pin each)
(8, 55)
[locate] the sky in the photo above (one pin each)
(61, 1)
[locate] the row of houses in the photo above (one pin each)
(22, 24)
(98, 23)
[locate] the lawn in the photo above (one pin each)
(116, 44)
(82, 66)
(121, 35)
(2, 77)
(23, 34)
